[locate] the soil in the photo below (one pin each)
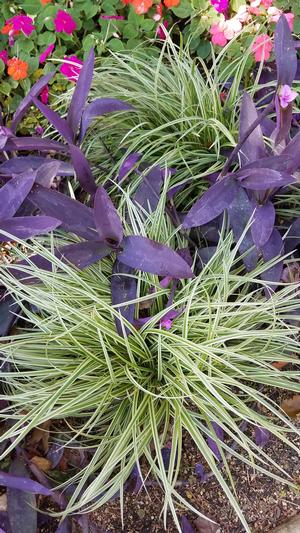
(265, 502)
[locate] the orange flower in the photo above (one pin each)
(172, 3)
(17, 69)
(142, 6)
(7, 28)
(45, 2)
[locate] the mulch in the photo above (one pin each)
(265, 502)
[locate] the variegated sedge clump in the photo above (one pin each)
(123, 397)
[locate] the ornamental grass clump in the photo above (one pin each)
(186, 113)
(124, 398)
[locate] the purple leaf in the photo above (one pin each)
(186, 256)
(254, 147)
(200, 471)
(13, 193)
(65, 526)
(128, 165)
(8, 311)
(46, 173)
(186, 526)
(123, 289)
(83, 254)
(148, 192)
(5, 134)
(57, 122)
(107, 220)
(21, 506)
(150, 256)
(277, 162)
(19, 164)
(75, 216)
(55, 454)
(81, 92)
(35, 90)
(4, 522)
(135, 474)
(240, 212)
(293, 236)
(19, 480)
(176, 188)
(263, 224)
(293, 150)
(212, 203)
(35, 143)
(285, 53)
(262, 436)
(283, 121)
(26, 227)
(99, 107)
(82, 170)
(205, 255)
(272, 249)
(261, 179)
(212, 443)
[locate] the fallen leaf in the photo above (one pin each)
(40, 435)
(203, 525)
(279, 364)
(291, 406)
(42, 463)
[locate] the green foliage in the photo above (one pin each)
(179, 119)
(124, 399)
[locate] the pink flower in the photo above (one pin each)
(290, 19)
(217, 33)
(232, 27)
(166, 323)
(220, 6)
(161, 34)
(71, 68)
(286, 95)
(47, 53)
(264, 3)
(44, 95)
(64, 22)
(4, 56)
(262, 47)
(243, 14)
(21, 23)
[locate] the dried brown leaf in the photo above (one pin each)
(42, 463)
(291, 406)
(40, 435)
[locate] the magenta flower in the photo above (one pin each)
(4, 56)
(71, 68)
(286, 95)
(161, 34)
(44, 96)
(22, 23)
(112, 17)
(220, 6)
(39, 130)
(64, 22)
(47, 53)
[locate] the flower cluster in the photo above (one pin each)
(226, 28)
(142, 6)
